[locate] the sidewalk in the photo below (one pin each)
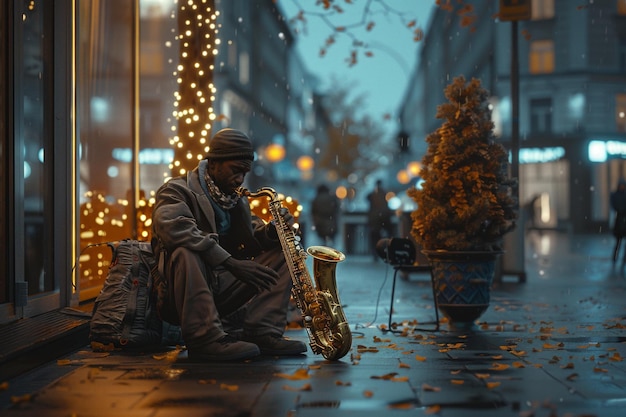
(553, 346)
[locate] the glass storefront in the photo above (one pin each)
(4, 43)
(126, 58)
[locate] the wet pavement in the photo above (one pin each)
(553, 346)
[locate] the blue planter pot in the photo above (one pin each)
(462, 282)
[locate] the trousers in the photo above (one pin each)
(211, 302)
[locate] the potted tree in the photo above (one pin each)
(465, 205)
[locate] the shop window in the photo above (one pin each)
(620, 112)
(542, 9)
(124, 149)
(4, 284)
(541, 58)
(541, 115)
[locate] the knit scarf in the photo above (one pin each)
(226, 202)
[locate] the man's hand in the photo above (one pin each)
(287, 218)
(258, 276)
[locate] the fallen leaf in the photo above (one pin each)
(569, 365)
(600, 370)
(341, 383)
(482, 376)
(63, 362)
(572, 377)
(499, 367)
(402, 406)
(616, 357)
(100, 347)
(362, 348)
(297, 375)
(404, 365)
(420, 358)
(305, 387)
(457, 381)
(491, 385)
(433, 409)
(368, 394)
(170, 356)
(430, 388)
(19, 399)
(228, 387)
(207, 381)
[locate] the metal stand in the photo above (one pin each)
(409, 269)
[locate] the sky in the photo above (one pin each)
(382, 78)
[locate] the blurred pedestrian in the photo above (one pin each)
(325, 212)
(618, 203)
(378, 217)
(531, 212)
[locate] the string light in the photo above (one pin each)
(193, 102)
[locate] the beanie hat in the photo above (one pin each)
(230, 144)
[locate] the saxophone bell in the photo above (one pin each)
(324, 253)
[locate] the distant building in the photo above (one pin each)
(572, 97)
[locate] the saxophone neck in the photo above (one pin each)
(264, 191)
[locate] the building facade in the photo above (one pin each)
(572, 97)
(88, 115)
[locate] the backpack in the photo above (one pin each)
(125, 312)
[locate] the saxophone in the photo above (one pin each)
(323, 317)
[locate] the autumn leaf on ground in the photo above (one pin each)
(433, 409)
(430, 388)
(4, 386)
(368, 394)
(518, 364)
(100, 347)
(170, 356)
(550, 346)
(569, 365)
(305, 387)
(499, 367)
(228, 387)
(19, 399)
(420, 358)
(207, 381)
(63, 362)
(391, 377)
(379, 340)
(616, 357)
(403, 365)
(457, 381)
(600, 370)
(482, 376)
(362, 348)
(402, 406)
(297, 375)
(386, 376)
(572, 377)
(491, 385)
(341, 383)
